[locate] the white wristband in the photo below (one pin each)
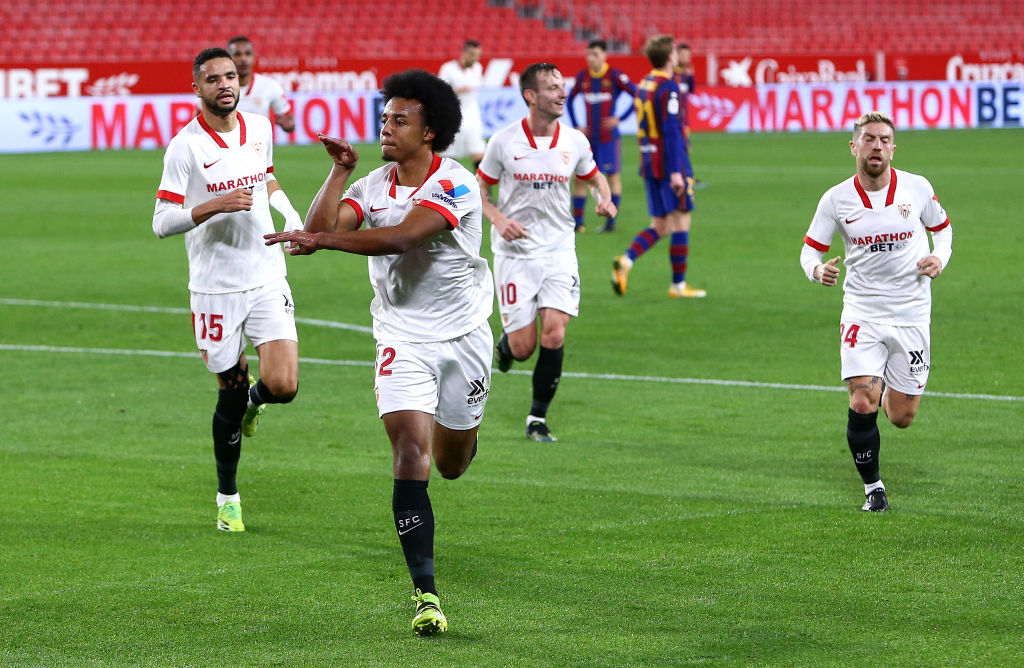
(280, 201)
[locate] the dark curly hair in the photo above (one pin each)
(205, 55)
(441, 110)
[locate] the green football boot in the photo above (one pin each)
(429, 619)
(253, 415)
(229, 517)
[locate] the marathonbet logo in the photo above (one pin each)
(478, 392)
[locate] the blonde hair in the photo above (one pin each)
(658, 48)
(872, 117)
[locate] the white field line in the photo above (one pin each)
(570, 374)
(364, 363)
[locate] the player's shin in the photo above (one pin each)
(414, 521)
(863, 438)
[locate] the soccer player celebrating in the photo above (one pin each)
(465, 74)
(214, 191)
(535, 267)
(881, 214)
(433, 296)
(665, 167)
(601, 85)
(263, 95)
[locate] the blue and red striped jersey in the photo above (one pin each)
(659, 125)
(687, 84)
(600, 90)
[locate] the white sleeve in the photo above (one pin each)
(454, 203)
(490, 167)
(942, 240)
(819, 235)
(354, 198)
(169, 218)
(586, 168)
(810, 258)
(278, 102)
(177, 167)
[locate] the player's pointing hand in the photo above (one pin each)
(341, 151)
(299, 242)
(828, 273)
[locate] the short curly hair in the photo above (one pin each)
(441, 110)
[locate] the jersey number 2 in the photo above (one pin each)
(386, 358)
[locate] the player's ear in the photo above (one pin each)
(428, 134)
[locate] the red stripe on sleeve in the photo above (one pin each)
(589, 176)
(170, 197)
(448, 215)
(938, 227)
(815, 245)
(355, 205)
(486, 178)
(270, 170)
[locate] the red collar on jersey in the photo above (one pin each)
(529, 135)
(889, 196)
(216, 135)
(435, 164)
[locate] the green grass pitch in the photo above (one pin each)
(701, 506)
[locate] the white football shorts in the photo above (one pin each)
(219, 321)
(447, 379)
(525, 285)
(899, 355)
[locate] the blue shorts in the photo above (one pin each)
(608, 156)
(661, 201)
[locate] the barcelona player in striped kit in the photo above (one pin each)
(601, 86)
(665, 167)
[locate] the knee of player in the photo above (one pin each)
(862, 403)
(520, 351)
(902, 420)
(553, 339)
(284, 389)
(450, 470)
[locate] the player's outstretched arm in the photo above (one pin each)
(326, 213)
(418, 225)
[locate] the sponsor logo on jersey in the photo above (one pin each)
(381, 208)
(565, 156)
(882, 238)
(207, 165)
(904, 210)
(596, 98)
(917, 362)
(441, 197)
(478, 392)
(453, 190)
(852, 220)
(240, 182)
(554, 178)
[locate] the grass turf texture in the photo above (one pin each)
(673, 523)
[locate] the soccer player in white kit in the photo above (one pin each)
(263, 95)
(214, 191)
(465, 74)
(533, 232)
(881, 214)
(432, 297)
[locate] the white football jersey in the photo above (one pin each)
(884, 236)
(533, 175)
(471, 77)
(261, 95)
(226, 253)
(442, 289)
